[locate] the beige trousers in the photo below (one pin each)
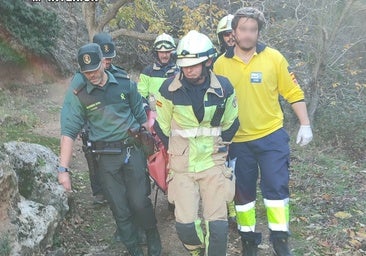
(213, 187)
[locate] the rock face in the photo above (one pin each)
(32, 203)
(72, 36)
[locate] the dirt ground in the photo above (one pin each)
(88, 229)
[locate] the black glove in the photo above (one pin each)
(144, 139)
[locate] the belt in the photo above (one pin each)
(111, 147)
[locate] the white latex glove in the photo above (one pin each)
(304, 135)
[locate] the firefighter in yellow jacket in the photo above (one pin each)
(196, 119)
(259, 75)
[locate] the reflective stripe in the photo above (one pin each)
(276, 203)
(199, 131)
(245, 207)
(199, 232)
(278, 227)
(207, 237)
(246, 228)
(245, 217)
(278, 214)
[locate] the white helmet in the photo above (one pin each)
(194, 48)
(164, 43)
(224, 24)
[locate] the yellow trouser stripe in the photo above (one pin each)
(245, 217)
(199, 231)
(278, 214)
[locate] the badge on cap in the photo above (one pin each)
(86, 59)
(106, 48)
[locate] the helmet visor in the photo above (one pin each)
(163, 46)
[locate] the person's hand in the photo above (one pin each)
(304, 135)
(64, 180)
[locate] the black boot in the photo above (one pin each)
(250, 242)
(141, 234)
(153, 242)
(135, 251)
(280, 243)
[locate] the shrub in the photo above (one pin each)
(8, 55)
(4, 246)
(34, 28)
(341, 123)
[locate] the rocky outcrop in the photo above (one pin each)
(72, 36)
(32, 203)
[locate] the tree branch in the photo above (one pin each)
(111, 13)
(133, 34)
(88, 10)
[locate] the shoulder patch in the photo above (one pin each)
(79, 89)
(159, 104)
(81, 84)
(293, 77)
(121, 75)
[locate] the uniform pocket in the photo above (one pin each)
(229, 185)
(178, 154)
(170, 179)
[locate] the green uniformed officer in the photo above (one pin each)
(108, 48)
(111, 106)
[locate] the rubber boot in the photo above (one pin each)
(135, 251)
(153, 242)
(279, 241)
(250, 242)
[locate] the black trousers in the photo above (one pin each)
(127, 188)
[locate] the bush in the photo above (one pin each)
(4, 246)
(8, 55)
(341, 123)
(34, 28)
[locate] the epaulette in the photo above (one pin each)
(81, 83)
(119, 72)
(121, 75)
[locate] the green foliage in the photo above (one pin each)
(341, 121)
(326, 207)
(142, 16)
(8, 55)
(34, 28)
(12, 132)
(17, 121)
(4, 246)
(141, 13)
(203, 18)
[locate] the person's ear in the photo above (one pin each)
(209, 62)
(104, 63)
